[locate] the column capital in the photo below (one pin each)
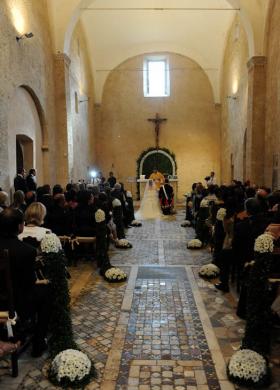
(63, 57)
(256, 61)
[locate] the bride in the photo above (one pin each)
(150, 206)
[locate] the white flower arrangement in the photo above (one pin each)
(204, 203)
(247, 366)
(186, 223)
(115, 275)
(51, 243)
(264, 243)
(136, 223)
(70, 365)
(221, 214)
(99, 216)
(116, 203)
(209, 271)
(123, 243)
(194, 244)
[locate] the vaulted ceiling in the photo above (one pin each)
(119, 29)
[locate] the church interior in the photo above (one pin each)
(176, 102)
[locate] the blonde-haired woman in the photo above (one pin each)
(34, 218)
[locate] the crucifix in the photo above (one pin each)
(157, 121)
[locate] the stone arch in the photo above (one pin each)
(27, 124)
(166, 153)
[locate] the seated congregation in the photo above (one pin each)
(240, 225)
(84, 219)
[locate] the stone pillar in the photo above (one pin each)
(64, 136)
(256, 119)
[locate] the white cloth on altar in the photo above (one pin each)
(150, 206)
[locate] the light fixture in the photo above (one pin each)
(26, 35)
(233, 97)
(84, 100)
(93, 174)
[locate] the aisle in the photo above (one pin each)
(152, 332)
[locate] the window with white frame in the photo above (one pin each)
(156, 77)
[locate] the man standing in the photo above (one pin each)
(210, 179)
(31, 180)
(111, 179)
(158, 178)
(20, 182)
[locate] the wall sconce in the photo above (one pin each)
(233, 97)
(84, 100)
(26, 35)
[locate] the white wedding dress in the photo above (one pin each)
(149, 206)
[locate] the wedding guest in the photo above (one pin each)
(34, 219)
(31, 180)
(111, 179)
(20, 182)
(59, 217)
(19, 201)
(4, 199)
(30, 197)
(84, 215)
(31, 300)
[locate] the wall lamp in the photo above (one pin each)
(85, 100)
(233, 97)
(27, 35)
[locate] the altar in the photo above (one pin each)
(143, 183)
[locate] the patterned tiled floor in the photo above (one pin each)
(164, 329)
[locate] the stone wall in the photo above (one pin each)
(234, 99)
(28, 63)
(192, 131)
(272, 140)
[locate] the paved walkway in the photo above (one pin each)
(163, 329)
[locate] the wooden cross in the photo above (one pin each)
(157, 121)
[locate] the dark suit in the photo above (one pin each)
(31, 183)
(20, 183)
(29, 298)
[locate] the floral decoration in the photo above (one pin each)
(221, 214)
(194, 244)
(116, 203)
(136, 223)
(186, 223)
(99, 216)
(51, 244)
(123, 243)
(264, 243)
(115, 275)
(248, 368)
(71, 368)
(209, 271)
(204, 203)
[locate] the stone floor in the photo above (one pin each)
(164, 328)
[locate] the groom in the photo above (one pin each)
(158, 178)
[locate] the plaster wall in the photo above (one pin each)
(81, 141)
(192, 130)
(234, 104)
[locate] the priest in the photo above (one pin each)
(158, 178)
